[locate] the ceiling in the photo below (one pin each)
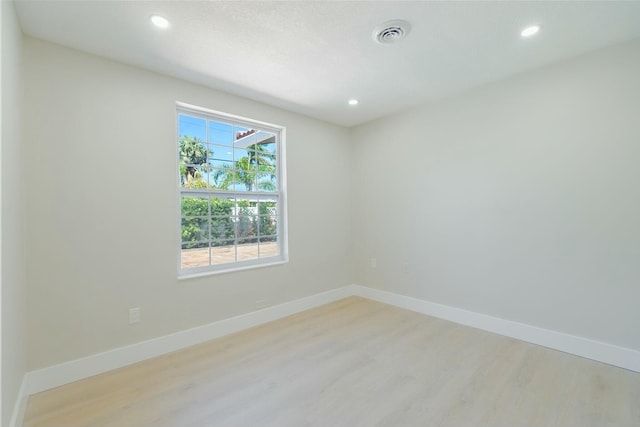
(313, 56)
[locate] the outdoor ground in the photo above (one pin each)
(225, 254)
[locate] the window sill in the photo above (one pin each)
(231, 269)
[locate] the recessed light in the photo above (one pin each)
(159, 21)
(353, 102)
(530, 31)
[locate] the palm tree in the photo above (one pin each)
(224, 177)
(193, 153)
(265, 164)
(244, 170)
(258, 155)
(245, 173)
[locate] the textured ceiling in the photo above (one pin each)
(312, 56)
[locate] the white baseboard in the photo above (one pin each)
(20, 406)
(607, 353)
(64, 373)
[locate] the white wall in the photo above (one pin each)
(12, 227)
(519, 200)
(103, 212)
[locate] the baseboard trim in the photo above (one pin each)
(607, 353)
(74, 370)
(20, 407)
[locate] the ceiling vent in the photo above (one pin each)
(391, 31)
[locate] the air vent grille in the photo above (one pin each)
(391, 31)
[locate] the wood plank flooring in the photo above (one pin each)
(354, 362)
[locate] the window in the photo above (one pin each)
(232, 198)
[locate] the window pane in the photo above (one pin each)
(267, 206)
(245, 137)
(190, 258)
(268, 225)
(193, 154)
(216, 163)
(246, 180)
(220, 152)
(269, 147)
(220, 133)
(268, 247)
(194, 176)
(247, 249)
(223, 252)
(195, 230)
(192, 126)
(247, 226)
(238, 187)
(222, 179)
(266, 162)
(252, 159)
(194, 206)
(220, 156)
(239, 154)
(246, 206)
(265, 137)
(266, 182)
(222, 228)
(222, 207)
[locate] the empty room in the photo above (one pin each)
(320, 213)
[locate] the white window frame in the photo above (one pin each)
(280, 194)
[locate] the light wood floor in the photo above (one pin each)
(351, 363)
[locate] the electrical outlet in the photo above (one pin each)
(134, 315)
(405, 267)
(374, 262)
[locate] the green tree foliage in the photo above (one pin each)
(268, 222)
(258, 163)
(211, 221)
(215, 216)
(259, 156)
(252, 223)
(247, 223)
(241, 172)
(195, 223)
(193, 154)
(201, 217)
